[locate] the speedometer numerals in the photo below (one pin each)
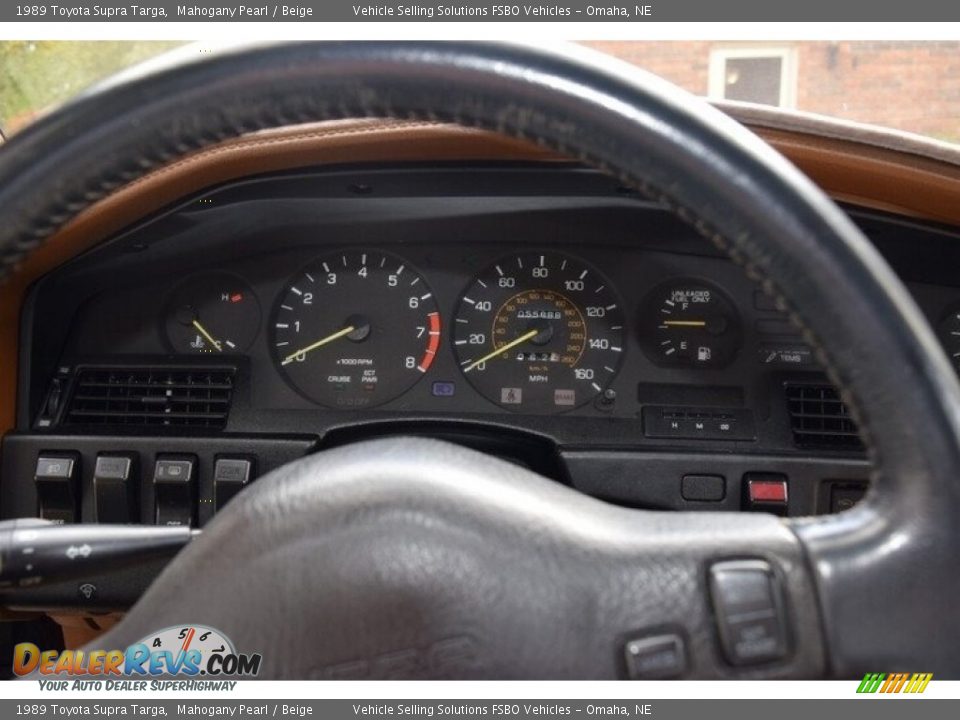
(355, 329)
(539, 332)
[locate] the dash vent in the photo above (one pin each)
(820, 419)
(152, 397)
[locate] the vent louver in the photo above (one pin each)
(820, 419)
(152, 397)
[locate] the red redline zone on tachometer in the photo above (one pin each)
(433, 344)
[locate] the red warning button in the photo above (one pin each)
(769, 489)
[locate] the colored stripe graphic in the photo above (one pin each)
(901, 679)
(913, 683)
(871, 682)
(919, 682)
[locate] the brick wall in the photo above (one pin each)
(908, 85)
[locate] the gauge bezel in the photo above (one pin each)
(433, 342)
(169, 306)
(610, 291)
(649, 338)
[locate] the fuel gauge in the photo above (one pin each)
(690, 323)
(212, 313)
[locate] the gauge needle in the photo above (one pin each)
(319, 343)
(209, 338)
(685, 323)
(489, 356)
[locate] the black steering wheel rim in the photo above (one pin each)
(873, 566)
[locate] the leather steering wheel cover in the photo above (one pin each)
(887, 570)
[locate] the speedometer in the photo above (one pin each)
(539, 332)
(356, 329)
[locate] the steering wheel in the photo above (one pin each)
(405, 557)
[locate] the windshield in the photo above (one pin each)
(905, 85)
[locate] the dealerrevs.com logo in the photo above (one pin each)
(186, 651)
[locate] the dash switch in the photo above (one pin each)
(56, 483)
(114, 489)
(174, 486)
(767, 492)
(230, 476)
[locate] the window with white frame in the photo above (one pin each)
(765, 75)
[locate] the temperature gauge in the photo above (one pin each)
(690, 323)
(212, 313)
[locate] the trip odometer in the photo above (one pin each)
(356, 329)
(539, 332)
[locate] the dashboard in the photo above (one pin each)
(540, 312)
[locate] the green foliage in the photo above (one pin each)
(38, 75)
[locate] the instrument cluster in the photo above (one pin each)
(523, 299)
(534, 331)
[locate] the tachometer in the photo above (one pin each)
(539, 332)
(356, 329)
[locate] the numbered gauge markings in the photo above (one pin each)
(356, 329)
(539, 332)
(180, 639)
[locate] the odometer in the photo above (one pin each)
(355, 329)
(539, 332)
